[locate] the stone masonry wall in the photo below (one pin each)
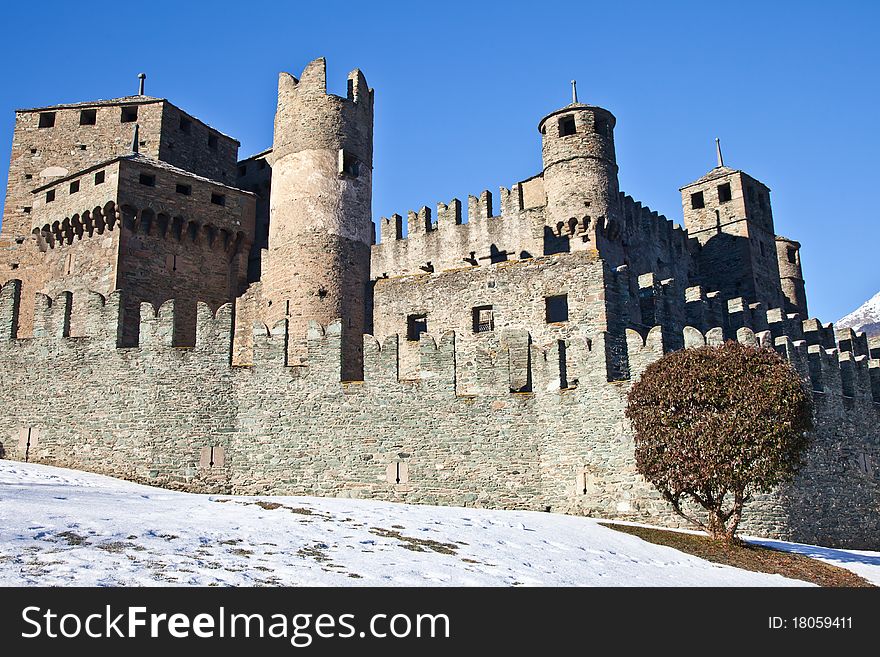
(75, 247)
(255, 175)
(514, 292)
(41, 155)
(180, 245)
(185, 418)
(737, 253)
(195, 146)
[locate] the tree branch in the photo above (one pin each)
(675, 501)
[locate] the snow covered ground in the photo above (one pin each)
(63, 527)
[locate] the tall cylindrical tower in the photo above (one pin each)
(580, 168)
(791, 277)
(320, 223)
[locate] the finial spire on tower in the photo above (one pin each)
(574, 91)
(718, 152)
(134, 139)
(141, 78)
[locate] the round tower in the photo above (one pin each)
(320, 221)
(791, 277)
(580, 168)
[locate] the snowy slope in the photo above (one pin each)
(62, 527)
(864, 318)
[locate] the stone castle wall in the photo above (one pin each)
(514, 292)
(190, 144)
(186, 419)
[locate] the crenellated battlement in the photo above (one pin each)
(831, 372)
(456, 235)
(640, 218)
(448, 215)
(511, 202)
(516, 225)
(511, 362)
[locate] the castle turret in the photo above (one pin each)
(320, 228)
(580, 168)
(788, 253)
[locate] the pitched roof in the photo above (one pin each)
(124, 100)
(262, 153)
(717, 172)
(139, 158)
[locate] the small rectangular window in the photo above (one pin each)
(129, 114)
(82, 147)
(751, 194)
(28, 176)
(567, 126)
(484, 321)
(792, 255)
(186, 190)
(242, 169)
(349, 164)
(212, 141)
(99, 177)
(556, 308)
(74, 187)
(185, 124)
(147, 179)
(88, 117)
(697, 201)
(724, 194)
(218, 199)
(50, 196)
(27, 209)
(47, 119)
(415, 326)
(601, 125)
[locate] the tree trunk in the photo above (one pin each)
(717, 527)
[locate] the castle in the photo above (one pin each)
(174, 316)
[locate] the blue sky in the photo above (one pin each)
(790, 87)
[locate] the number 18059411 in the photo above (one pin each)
(810, 623)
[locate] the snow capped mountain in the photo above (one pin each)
(864, 318)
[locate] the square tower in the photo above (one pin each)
(131, 193)
(50, 143)
(729, 213)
